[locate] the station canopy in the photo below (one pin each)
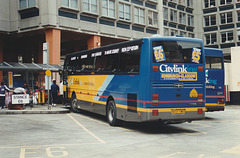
(14, 66)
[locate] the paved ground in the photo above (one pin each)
(73, 135)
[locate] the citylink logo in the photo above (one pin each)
(174, 68)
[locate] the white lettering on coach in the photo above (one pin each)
(113, 51)
(130, 48)
(174, 68)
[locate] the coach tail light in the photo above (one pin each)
(200, 99)
(220, 101)
(200, 111)
(155, 112)
(155, 99)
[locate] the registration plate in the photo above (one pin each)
(178, 111)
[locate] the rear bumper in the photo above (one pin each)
(166, 115)
(214, 107)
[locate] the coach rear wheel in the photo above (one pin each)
(74, 106)
(111, 113)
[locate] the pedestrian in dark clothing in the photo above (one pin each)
(54, 91)
(35, 86)
(25, 86)
(3, 89)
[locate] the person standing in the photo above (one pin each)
(61, 90)
(54, 91)
(35, 86)
(3, 89)
(25, 86)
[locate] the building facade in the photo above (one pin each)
(179, 18)
(221, 24)
(71, 25)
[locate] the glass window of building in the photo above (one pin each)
(183, 33)
(191, 35)
(207, 20)
(209, 3)
(166, 32)
(152, 18)
(190, 20)
(190, 3)
(223, 18)
(226, 18)
(70, 3)
(182, 18)
(211, 38)
(182, 2)
(124, 11)
(165, 13)
(139, 15)
(173, 15)
(174, 32)
(26, 3)
(238, 14)
(227, 36)
(108, 8)
(210, 20)
(224, 2)
(229, 17)
(90, 6)
(238, 34)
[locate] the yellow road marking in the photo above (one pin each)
(85, 129)
(101, 122)
(91, 119)
(201, 156)
(173, 154)
(52, 145)
(233, 150)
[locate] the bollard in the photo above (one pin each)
(41, 97)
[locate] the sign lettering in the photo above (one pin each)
(196, 55)
(159, 54)
(20, 99)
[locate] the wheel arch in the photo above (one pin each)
(109, 99)
(74, 94)
(112, 110)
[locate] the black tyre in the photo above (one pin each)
(73, 104)
(111, 113)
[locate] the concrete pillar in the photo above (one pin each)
(53, 37)
(94, 42)
(1, 58)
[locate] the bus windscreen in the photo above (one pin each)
(176, 52)
(214, 63)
